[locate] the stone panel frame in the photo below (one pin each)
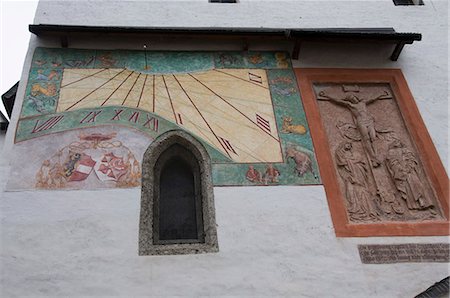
(151, 156)
(434, 169)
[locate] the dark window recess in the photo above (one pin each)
(177, 218)
(177, 199)
(222, 1)
(178, 206)
(408, 2)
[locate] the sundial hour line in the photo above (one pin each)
(142, 90)
(170, 99)
(129, 91)
(232, 106)
(201, 115)
(243, 100)
(229, 74)
(242, 146)
(91, 75)
(235, 128)
(116, 89)
(154, 102)
(230, 148)
(84, 97)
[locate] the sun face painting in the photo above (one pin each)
(244, 108)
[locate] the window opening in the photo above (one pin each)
(178, 205)
(177, 197)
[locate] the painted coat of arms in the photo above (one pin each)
(94, 156)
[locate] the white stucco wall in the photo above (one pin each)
(274, 241)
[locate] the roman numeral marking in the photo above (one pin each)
(255, 78)
(263, 123)
(48, 124)
(227, 145)
(134, 117)
(179, 118)
(117, 115)
(151, 123)
(90, 117)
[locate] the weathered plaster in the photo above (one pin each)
(274, 241)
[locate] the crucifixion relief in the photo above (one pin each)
(380, 174)
(364, 121)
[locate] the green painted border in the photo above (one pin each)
(38, 117)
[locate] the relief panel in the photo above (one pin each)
(379, 171)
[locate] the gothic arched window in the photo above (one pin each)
(177, 204)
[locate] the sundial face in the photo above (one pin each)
(231, 109)
(81, 105)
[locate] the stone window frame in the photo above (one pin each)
(149, 188)
(175, 151)
(433, 166)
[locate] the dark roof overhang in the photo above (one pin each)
(298, 36)
(8, 99)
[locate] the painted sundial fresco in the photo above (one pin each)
(89, 115)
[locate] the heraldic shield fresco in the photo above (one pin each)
(379, 171)
(89, 115)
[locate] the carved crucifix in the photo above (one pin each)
(364, 121)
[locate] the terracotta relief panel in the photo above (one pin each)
(381, 172)
(378, 168)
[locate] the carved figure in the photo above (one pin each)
(364, 121)
(388, 202)
(404, 169)
(351, 132)
(354, 172)
(303, 163)
(253, 175)
(289, 128)
(348, 130)
(271, 174)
